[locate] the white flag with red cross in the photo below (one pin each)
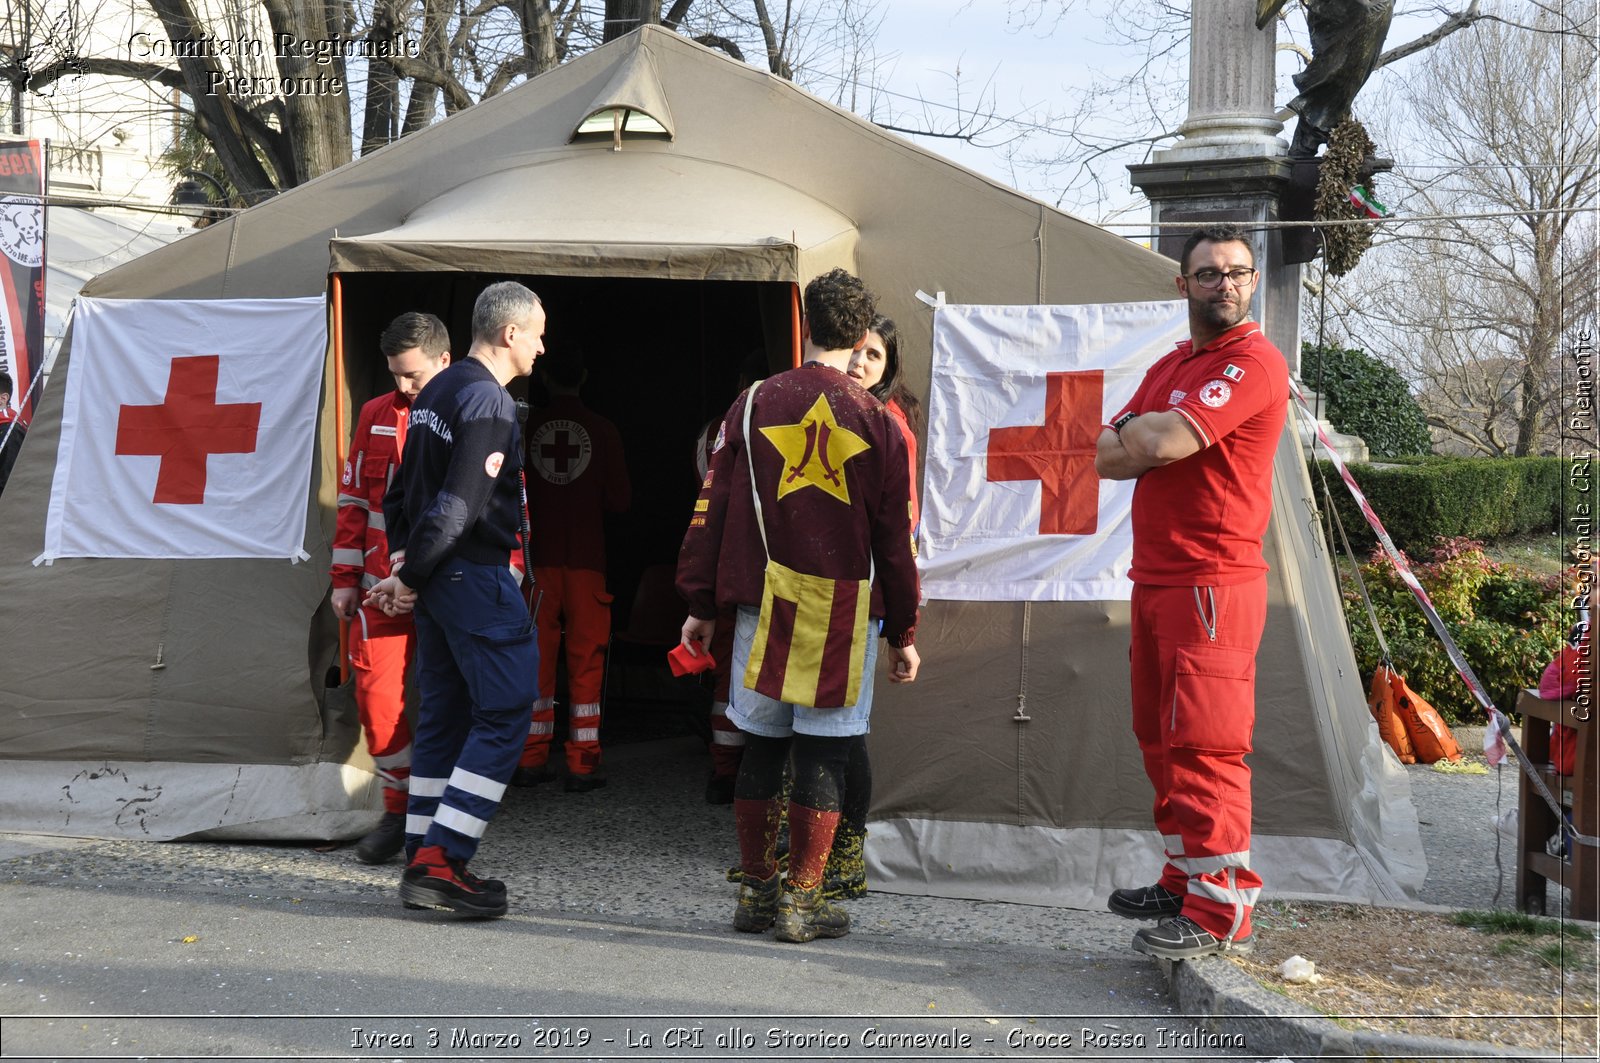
(1012, 508)
(187, 429)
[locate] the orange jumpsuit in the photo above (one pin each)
(576, 475)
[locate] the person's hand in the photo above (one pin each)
(904, 664)
(345, 602)
(392, 596)
(697, 635)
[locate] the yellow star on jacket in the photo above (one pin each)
(814, 451)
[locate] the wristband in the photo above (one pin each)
(1121, 422)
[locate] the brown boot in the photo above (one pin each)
(758, 904)
(803, 915)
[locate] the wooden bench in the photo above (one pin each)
(1579, 793)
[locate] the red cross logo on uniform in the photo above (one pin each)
(187, 428)
(561, 450)
(1059, 453)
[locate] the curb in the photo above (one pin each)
(1233, 1004)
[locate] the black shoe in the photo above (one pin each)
(439, 882)
(532, 776)
(1146, 902)
(582, 784)
(1181, 938)
(385, 840)
(719, 789)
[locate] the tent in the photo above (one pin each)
(665, 201)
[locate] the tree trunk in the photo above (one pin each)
(625, 16)
(538, 37)
(317, 113)
(379, 125)
(424, 96)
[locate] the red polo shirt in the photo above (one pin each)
(1200, 521)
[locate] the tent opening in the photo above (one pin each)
(663, 359)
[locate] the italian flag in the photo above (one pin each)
(1362, 197)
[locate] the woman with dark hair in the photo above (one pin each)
(876, 367)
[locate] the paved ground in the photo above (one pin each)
(617, 947)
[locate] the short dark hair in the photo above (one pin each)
(414, 329)
(839, 309)
(6, 383)
(1215, 234)
(564, 364)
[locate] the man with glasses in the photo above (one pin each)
(1199, 436)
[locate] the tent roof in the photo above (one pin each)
(687, 219)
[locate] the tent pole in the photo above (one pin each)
(338, 438)
(794, 321)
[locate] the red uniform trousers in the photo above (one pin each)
(574, 603)
(1193, 656)
(727, 741)
(380, 651)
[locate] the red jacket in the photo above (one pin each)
(576, 474)
(831, 465)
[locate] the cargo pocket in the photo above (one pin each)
(1213, 700)
(504, 671)
(375, 481)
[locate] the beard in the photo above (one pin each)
(1220, 313)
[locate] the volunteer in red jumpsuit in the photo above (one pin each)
(576, 475)
(417, 347)
(1199, 436)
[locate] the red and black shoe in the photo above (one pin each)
(435, 880)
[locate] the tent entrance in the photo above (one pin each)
(663, 359)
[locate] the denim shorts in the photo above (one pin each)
(761, 715)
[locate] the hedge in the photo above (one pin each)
(1421, 501)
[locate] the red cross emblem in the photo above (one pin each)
(560, 450)
(1059, 453)
(187, 428)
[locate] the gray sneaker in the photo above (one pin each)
(803, 915)
(758, 904)
(1181, 938)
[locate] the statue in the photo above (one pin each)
(1346, 40)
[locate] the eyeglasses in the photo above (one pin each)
(1212, 278)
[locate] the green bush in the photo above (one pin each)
(1507, 622)
(1420, 502)
(1366, 398)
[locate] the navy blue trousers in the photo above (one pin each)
(478, 674)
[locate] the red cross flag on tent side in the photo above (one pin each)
(187, 429)
(1013, 509)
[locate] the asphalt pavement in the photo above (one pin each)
(617, 946)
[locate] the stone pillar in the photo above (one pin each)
(1229, 164)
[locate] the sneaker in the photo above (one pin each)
(443, 883)
(582, 784)
(803, 915)
(543, 773)
(758, 904)
(1146, 902)
(719, 789)
(385, 840)
(1181, 938)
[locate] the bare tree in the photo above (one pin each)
(272, 119)
(1470, 301)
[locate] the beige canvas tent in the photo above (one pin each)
(665, 201)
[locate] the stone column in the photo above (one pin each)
(1229, 163)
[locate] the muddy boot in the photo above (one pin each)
(758, 904)
(803, 915)
(845, 876)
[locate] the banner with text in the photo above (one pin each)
(22, 187)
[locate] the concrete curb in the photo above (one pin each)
(1233, 1004)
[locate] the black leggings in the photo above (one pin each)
(820, 765)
